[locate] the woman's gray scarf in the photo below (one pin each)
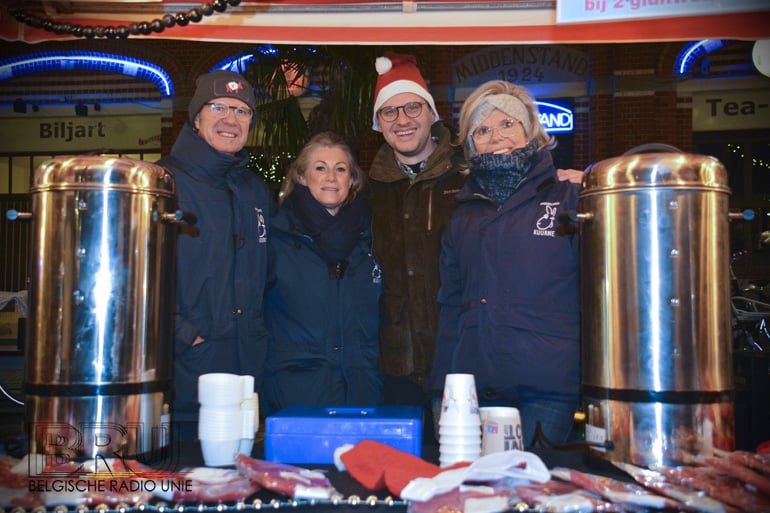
(498, 176)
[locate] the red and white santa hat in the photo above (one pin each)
(398, 73)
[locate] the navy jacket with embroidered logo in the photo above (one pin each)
(221, 266)
(509, 285)
(323, 330)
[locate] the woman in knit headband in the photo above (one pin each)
(509, 268)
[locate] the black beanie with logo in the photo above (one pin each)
(220, 84)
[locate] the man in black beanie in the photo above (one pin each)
(222, 259)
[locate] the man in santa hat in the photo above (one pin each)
(413, 180)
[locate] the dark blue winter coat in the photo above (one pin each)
(221, 266)
(509, 307)
(323, 328)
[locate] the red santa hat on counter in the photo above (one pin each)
(378, 466)
(398, 73)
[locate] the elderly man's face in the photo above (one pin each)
(225, 129)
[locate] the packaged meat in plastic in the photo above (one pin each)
(691, 498)
(561, 497)
(616, 491)
(718, 485)
(286, 480)
(205, 485)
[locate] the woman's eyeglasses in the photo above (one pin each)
(221, 110)
(506, 128)
(411, 109)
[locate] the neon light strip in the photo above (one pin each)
(694, 50)
(237, 64)
(105, 62)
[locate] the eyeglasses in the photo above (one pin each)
(506, 128)
(411, 109)
(221, 110)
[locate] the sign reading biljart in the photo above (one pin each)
(65, 134)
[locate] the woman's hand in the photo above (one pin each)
(573, 175)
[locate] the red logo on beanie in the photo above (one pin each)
(234, 87)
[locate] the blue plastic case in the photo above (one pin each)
(305, 434)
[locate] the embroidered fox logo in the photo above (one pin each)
(546, 221)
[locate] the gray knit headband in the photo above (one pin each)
(505, 103)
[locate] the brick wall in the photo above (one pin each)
(631, 97)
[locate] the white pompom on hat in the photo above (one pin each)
(398, 73)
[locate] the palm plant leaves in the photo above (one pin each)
(341, 78)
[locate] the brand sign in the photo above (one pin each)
(576, 11)
(555, 118)
(735, 110)
(78, 134)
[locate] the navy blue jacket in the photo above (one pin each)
(323, 329)
(509, 297)
(221, 266)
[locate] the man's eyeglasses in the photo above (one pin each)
(221, 110)
(411, 109)
(506, 128)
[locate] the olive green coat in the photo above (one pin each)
(408, 217)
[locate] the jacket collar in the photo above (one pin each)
(385, 167)
(203, 161)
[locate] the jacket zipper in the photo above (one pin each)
(430, 208)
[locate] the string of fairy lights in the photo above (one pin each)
(271, 168)
(122, 31)
(757, 162)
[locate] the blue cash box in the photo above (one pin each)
(307, 434)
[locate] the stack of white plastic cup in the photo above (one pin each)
(226, 418)
(459, 432)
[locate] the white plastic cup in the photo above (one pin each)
(448, 458)
(247, 382)
(250, 415)
(220, 423)
(459, 440)
(468, 452)
(459, 404)
(500, 429)
(459, 430)
(459, 423)
(246, 446)
(249, 418)
(220, 453)
(220, 389)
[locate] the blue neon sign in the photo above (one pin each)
(556, 119)
(45, 61)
